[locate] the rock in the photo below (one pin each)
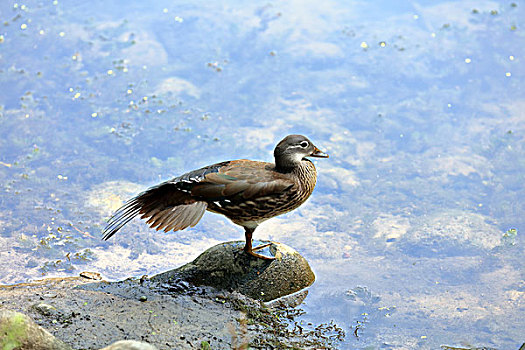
(93, 314)
(130, 345)
(226, 266)
(450, 232)
(288, 301)
(18, 331)
(108, 196)
(177, 87)
(91, 275)
(45, 309)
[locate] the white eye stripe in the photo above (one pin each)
(303, 144)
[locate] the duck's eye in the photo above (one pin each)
(304, 144)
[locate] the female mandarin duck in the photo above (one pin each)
(245, 191)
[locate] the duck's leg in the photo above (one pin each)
(248, 233)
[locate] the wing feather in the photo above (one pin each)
(180, 217)
(181, 202)
(235, 187)
(208, 190)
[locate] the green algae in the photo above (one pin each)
(13, 332)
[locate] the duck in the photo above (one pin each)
(245, 191)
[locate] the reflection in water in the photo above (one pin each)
(410, 231)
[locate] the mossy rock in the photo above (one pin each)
(226, 266)
(18, 331)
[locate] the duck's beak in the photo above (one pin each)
(318, 153)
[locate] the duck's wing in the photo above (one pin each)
(240, 180)
(181, 202)
(168, 206)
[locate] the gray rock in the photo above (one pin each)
(226, 266)
(288, 301)
(92, 314)
(130, 345)
(45, 309)
(18, 331)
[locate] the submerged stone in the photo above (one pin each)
(226, 266)
(130, 345)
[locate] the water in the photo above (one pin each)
(415, 229)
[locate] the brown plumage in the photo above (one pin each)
(245, 191)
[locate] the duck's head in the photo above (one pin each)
(293, 149)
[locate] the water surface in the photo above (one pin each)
(415, 229)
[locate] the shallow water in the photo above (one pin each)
(415, 229)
